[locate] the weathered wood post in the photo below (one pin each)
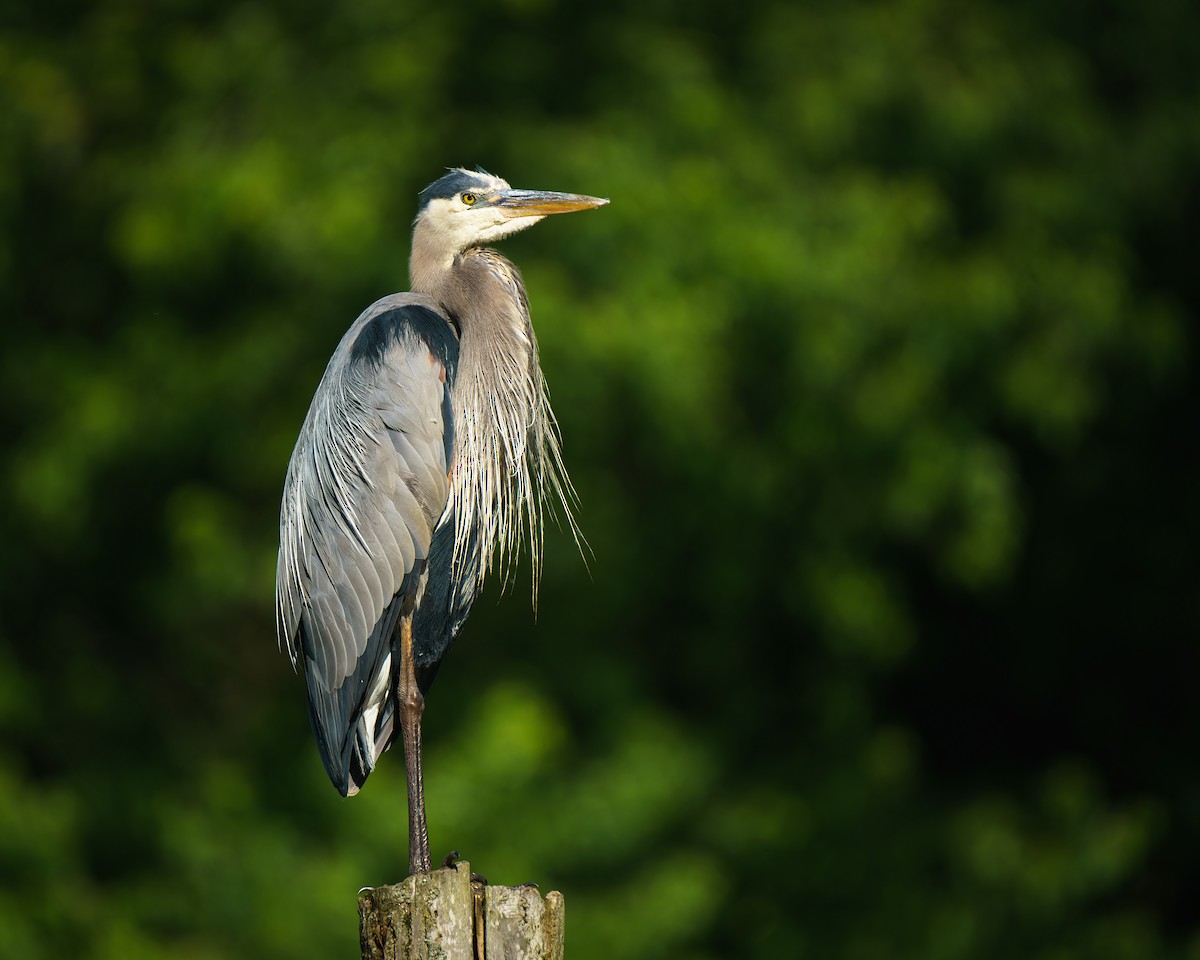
(445, 915)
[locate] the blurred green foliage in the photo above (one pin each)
(878, 381)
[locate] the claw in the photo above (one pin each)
(451, 857)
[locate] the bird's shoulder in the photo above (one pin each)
(400, 321)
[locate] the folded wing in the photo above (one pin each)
(366, 489)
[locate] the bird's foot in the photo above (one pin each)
(451, 861)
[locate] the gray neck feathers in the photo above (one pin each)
(507, 459)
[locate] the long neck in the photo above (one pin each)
(507, 457)
(431, 264)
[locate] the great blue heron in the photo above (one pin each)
(425, 457)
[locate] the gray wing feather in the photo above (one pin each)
(365, 490)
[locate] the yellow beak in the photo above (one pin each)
(541, 203)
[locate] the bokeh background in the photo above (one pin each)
(878, 382)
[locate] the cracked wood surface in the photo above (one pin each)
(443, 915)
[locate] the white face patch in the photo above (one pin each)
(455, 225)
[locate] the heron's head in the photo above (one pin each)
(468, 209)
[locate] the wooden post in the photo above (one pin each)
(445, 915)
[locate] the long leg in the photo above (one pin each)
(412, 705)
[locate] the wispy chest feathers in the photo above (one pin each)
(507, 459)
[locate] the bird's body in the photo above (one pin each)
(424, 459)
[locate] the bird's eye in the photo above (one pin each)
(468, 198)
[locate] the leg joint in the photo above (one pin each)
(411, 700)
